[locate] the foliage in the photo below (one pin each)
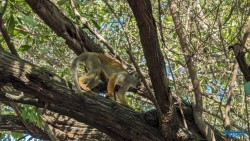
(31, 114)
(247, 88)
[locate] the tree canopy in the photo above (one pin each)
(191, 56)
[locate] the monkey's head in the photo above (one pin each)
(134, 79)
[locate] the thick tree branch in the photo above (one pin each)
(62, 126)
(71, 129)
(104, 114)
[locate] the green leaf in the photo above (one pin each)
(16, 134)
(96, 24)
(174, 35)
(25, 114)
(64, 71)
(168, 18)
(2, 135)
(32, 117)
(247, 57)
(2, 3)
(61, 2)
(30, 20)
(11, 24)
(24, 48)
(39, 121)
(247, 88)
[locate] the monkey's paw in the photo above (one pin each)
(85, 87)
(108, 95)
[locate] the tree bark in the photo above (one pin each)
(157, 71)
(106, 115)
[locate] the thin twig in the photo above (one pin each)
(230, 95)
(230, 13)
(246, 34)
(5, 33)
(94, 32)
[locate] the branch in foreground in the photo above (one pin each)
(106, 115)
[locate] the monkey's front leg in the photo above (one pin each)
(121, 94)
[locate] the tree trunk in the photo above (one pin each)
(157, 71)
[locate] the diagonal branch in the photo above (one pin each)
(76, 39)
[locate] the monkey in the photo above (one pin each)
(98, 63)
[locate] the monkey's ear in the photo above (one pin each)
(135, 74)
(137, 77)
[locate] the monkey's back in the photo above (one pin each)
(109, 61)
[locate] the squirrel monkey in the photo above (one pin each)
(98, 63)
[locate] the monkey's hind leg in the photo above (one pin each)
(89, 80)
(94, 79)
(121, 94)
(111, 85)
(81, 81)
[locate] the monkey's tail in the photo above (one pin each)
(74, 66)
